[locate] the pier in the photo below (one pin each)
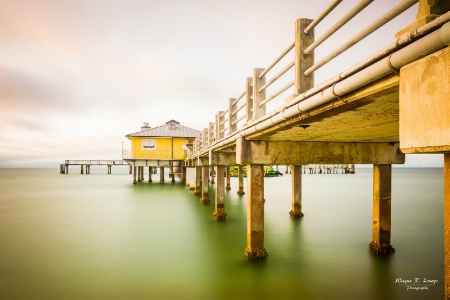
(392, 103)
(86, 165)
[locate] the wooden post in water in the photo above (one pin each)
(219, 213)
(131, 170)
(240, 181)
(205, 185)
(82, 169)
(296, 211)
(183, 174)
(109, 169)
(255, 213)
(447, 224)
(161, 174)
(381, 225)
(134, 175)
(228, 185)
(150, 174)
(67, 169)
(198, 171)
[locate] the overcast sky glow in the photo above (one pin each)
(77, 76)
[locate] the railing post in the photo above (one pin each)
(303, 61)
(231, 117)
(210, 134)
(204, 139)
(219, 126)
(258, 97)
(249, 98)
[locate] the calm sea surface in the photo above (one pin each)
(98, 236)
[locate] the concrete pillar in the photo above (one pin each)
(219, 213)
(240, 181)
(255, 213)
(198, 171)
(190, 178)
(447, 224)
(296, 211)
(183, 174)
(228, 186)
(150, 174)
(205, 185)
(381, 225)
(134, 175)
(161, 174)
(212, 175)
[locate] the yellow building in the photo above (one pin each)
(159, 145)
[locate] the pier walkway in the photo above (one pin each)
(392, 103)
(64, 168)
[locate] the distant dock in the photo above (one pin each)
(86, 164)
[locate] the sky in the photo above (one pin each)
(77, 76)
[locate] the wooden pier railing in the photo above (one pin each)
(64, 168)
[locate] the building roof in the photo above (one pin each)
(172, 128)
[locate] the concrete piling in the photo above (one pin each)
(205, 185)
(219, 213)
(296, 211)
(381, 214)
(255, 213)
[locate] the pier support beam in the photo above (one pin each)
(205, 185)
(67, 169)
(228, 186)
(150, 174)
(381, 225)
(161, 174)
(447, 224)
(82, 169)
(198, 171)
(134, 175)
(240, 181)
(212, 175)
(296, 211)
(255, 213)
(183, 174)
(219, 213)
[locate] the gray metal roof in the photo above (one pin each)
(172, 128)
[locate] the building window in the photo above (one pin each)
(149, 144)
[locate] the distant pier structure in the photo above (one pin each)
(85, 165)
(160, 147)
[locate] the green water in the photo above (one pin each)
(98, 236)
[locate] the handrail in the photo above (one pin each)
(283, 89)
(357, 9)
(239, 98)
(239, 108)
(239, 119)
(280, 57)
(276, 77)
(322, 16)
(368, 30)
(229, 118)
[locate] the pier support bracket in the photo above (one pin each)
(300, 153)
